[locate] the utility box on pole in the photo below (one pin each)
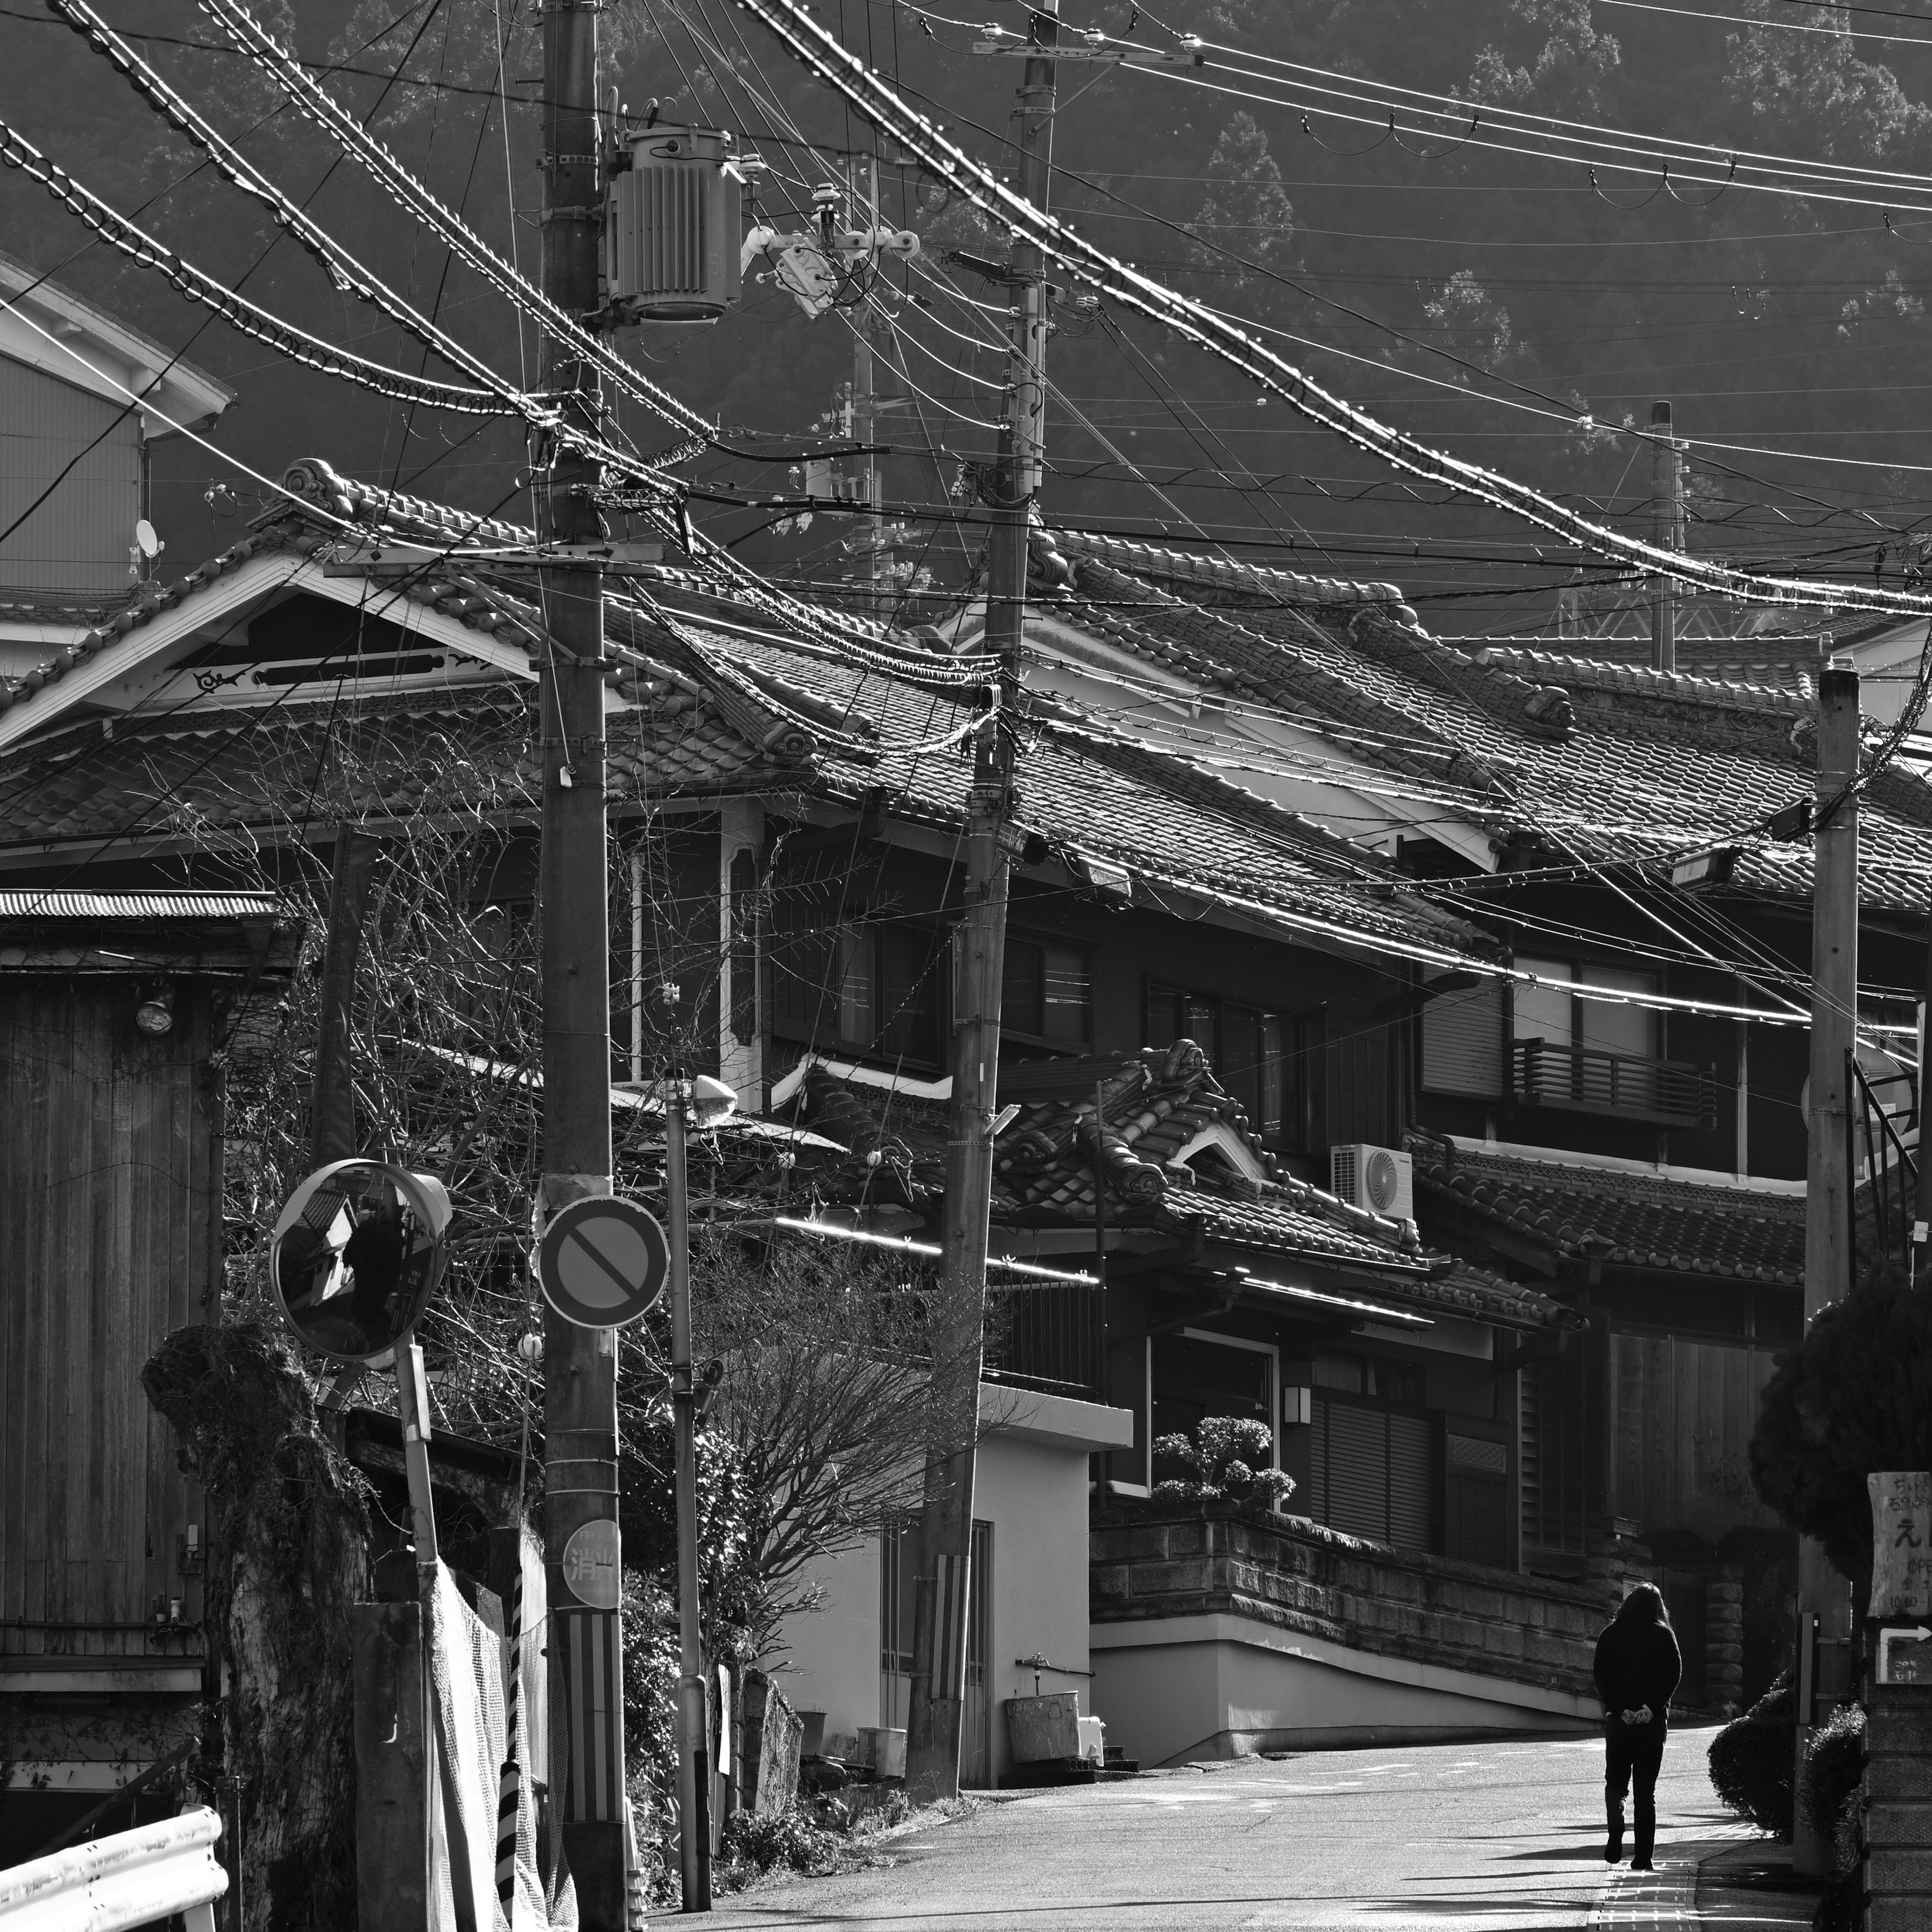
(673, 227)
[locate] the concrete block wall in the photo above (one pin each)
(1898, 1809)
(1298, 1576)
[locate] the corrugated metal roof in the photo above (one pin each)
(31, 904)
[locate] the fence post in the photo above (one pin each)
(392, 1768)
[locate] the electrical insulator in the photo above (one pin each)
(672, 226)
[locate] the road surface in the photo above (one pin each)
(1491, 1837)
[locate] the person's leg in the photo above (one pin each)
(1616, 1782)
(1646, 1760)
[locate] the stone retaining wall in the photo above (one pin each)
(1898, 1809)
(1298, 1576)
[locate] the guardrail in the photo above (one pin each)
(141, 1877)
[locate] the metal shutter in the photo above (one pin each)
(1409, 1484)
(1357, 1472)
(1463, 1041)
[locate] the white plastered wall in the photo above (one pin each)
(1176, 1689)
(1030, 1484)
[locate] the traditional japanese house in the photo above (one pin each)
(114, 1009)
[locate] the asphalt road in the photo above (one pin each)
(1491, 1837)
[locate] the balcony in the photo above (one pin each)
(1573, 1079)
(1051, 1338)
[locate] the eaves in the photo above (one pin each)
(141, 649)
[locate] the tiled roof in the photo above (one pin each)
(1154, 1104)
(717, 702)
(1631, 1220)
(1556, 757)
(210, 775)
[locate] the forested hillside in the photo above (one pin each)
(1544, 304)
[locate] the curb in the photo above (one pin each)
(1661, 1901)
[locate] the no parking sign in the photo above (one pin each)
(602, 1261)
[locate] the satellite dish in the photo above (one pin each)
(144, 535)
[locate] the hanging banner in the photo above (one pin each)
(1901, 1509)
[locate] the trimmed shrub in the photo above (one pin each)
(1227, 1457)
(1850, 1399)
(1751, 1761)
(1834, 1762)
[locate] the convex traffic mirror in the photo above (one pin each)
(356, 1255)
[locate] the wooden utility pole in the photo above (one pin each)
(579, 1364)
(694, 1739)
(1921, 1224)
(1823, 1594)
(861, 204)
(938, 1687)
(1667, 507)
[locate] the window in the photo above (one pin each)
(1549, 1013)
(1048, 994)
(1597, 1056)
(1194, 1375)
(1462, 1036)
(1380, 1381)
(1368, 1459)
(1475, 1499)
(866, 987)
(1247, 1049)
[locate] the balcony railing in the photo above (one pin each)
(1051, 1338)
(1592, 1080)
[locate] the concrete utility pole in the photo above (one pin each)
(579, 1364)
(938, 1687)
(1667, 507)
(1823, 1594)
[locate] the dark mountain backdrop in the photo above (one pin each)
(1794, 327)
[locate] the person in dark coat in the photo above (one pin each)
(1638, 1666)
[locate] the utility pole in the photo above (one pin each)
(938, 1687)
(1667, 507)
(1824, 1597)
(1921, 1225)
(861, 201)
(579, 1364)
(693, 1740)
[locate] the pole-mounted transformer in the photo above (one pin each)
(673, 225)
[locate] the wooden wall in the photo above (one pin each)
(109, 1231)
(1683, 1417)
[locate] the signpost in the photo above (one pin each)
(1901, 1510)
(602, 1262)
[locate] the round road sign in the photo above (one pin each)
(602, 1261)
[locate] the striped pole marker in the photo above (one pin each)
(509, 1787)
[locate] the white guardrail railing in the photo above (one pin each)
(113, 1884)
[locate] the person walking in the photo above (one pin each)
(1637, 1668)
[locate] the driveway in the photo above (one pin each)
(1490, 1838)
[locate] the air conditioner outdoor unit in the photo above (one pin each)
(1378, 1178)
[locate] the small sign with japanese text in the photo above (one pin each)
(1901, 1508)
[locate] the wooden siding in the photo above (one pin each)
(1684, 1413)
(108, 1228)
(78, 540)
